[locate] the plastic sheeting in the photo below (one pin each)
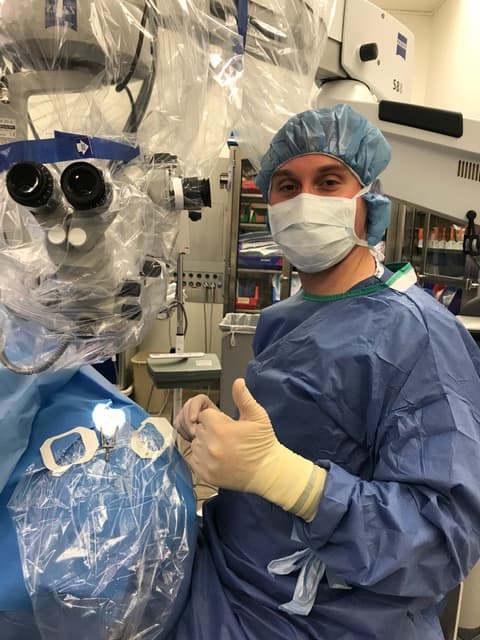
(107, 547)
(145, 93)
(104, 545)
(169, 80)
(285, 42)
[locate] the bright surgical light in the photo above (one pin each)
(108, 420)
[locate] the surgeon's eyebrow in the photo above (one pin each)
(283, 173)
(327, 168)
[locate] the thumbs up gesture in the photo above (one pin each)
(229, 453)
(245, 455)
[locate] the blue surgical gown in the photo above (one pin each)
(382, 388)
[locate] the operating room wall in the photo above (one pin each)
(447, 56)
(455, 58)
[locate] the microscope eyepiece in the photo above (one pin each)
(196, 193)
(30, 184)
(84, 186)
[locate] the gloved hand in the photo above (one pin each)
(186, 421)
(245, 455)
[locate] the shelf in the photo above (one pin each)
(243, 271)
(418, 252)
(252, 226)
(252, 196)
(257, 270)
(442, 279)
(239, 310)
(257, 205)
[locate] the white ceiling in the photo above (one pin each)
(429, 6)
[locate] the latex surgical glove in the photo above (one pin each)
(245, 455)
(187, 419)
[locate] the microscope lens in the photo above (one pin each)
(84, 186)
(30, 184)
(83, 182)
(196, 193)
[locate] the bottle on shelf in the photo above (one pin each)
(442, 242)
(420, 238)
(452, 243)
(460, 237)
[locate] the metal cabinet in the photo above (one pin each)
(433, 243)
(256, 273)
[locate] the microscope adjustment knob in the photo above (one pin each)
(368, 51)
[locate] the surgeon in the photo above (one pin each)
(349, 501)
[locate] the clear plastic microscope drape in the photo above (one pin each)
(285, 42)
(148, 92)
(107, 545)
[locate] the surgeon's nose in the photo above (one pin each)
(307, 187)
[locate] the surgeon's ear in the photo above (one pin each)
(361, 219)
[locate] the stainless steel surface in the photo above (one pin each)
(233, 217)
(434, 277)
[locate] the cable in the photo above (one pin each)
(150, 393)
(170, 339)
(141, 36)
(36, 135)
(205, 338)
(145, 93)
(205, 286)
(212, 286)
(133, 106)
(173, 305)
(176, 304)
(164, 405)
(59, 351)
(208, 337)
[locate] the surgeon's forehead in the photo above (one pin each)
(317, 163)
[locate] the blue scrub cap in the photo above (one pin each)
(337, 131)
(343, 133)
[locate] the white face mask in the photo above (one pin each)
(315, 232)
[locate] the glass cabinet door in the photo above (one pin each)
(434, 246)
(257, 273)
(445, 248)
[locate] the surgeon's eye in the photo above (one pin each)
(329, 183)
(286, 188)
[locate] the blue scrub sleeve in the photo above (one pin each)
(413, 528)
